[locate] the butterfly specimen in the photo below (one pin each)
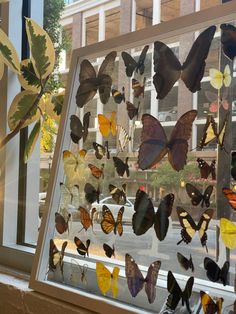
(132, 110)
(154, 144)
(210, 132)
(82, 248)
(118, 194)
(72, 163)
(138, 87)
(96, 172)
(145, 217)
(107, 125)
(121, 167)
(228, 233)
(118, 96)
(185, 262)
(79, 130)
(86, 218)
(90, 82)
(214, 272)
(131, 64)
(228, 40)
(107, 280)
(209, 306)
(91, 194)
(69, 196)
(55, 256)
(61, 224)
(176, 294)
(231, 197)
(78, 272)
(123, 137)
(217, 101)
(109, 224)
(197, 197)
(233, 165)
(218, 79)
(109, 251)
(101, 151)
(168, 69)
(136, 281)
(206, 169)
(189, 227)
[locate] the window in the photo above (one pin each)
(91, 27)
(112, 23)
(157, 182)
(170, 9)
(143, 13)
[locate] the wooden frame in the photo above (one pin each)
(164, 31)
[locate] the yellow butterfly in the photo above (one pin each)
(106, 125)
(218, 78)
(72, 161)
(228, 233)
(106, 279)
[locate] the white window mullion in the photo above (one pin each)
(156, 12)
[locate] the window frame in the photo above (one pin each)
(164, 31)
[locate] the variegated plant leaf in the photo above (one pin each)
(32, 140)
(8, 53)
(19, 108)
(42, 50)
(28, 78)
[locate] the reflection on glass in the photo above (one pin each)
(112, 27)
(91, 24)
(143, 13)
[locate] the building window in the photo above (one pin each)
(112, 20)
(143, 13)
(170, 9)
(91, 29)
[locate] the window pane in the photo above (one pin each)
(91, 26)
(112, 23)
(143, 13)
(170, 9)
(205, 4)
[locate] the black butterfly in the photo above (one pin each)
(214, 272)
(155, 145)
(118, 96)
(90, 82)
(210, 132)
(132, 110)
(91, 194)
(228, 40)
(145, 217)
(233, 165)
(197, 197)
(79, 130)
(189, 227)
(206, 169)
(118, 194)
(101, 151)
(176, 294)
(168, 69)
(138, 87)
(109, 251)
(185, 262)
(82, 249)
(132, 65)
(121, 167)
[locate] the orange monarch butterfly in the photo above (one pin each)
(96, 172)
(108, 223)
(107, 125)
(231, 197)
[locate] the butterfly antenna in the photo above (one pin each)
(180, 241)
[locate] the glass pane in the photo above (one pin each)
(205, 4)
(91, 26)
(112, 23)
(143, 13)
(170, 9)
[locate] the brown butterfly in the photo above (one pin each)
(96, 172)
(90, 82)
(82, 248)
(85, 218)
(209, 306)
(132, 110)
(168, 69)
(138, 87)
(61, 224)
(154, 144)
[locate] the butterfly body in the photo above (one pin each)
(132, 110)
(69, 196)
(214, 272)
(132, 65)
(206, 169)
(91, 194)
(138, 87)
(154, 144)
(197, 197)
(231, 197)
(118, 194)
(109, 251)
(189, 227)
(79, 130)
(121, 167)
(109, 224)
(209, 306)
(82, 248)
(168, 69)
(61, 224)
(107, 280)
(185, 262)
(228, 40)
(136, 281)
(176, 294)
(96, 172)
(101, 151)
(56, 257)
(85, 218)
(90, 82)
(107, 125)
(118, 96)
(228, 233)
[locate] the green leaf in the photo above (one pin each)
(57, 101)
(28, 78)
(42, 50)
(20, 106)
(32, 140)
(8, 53)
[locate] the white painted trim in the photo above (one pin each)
(156, 13)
